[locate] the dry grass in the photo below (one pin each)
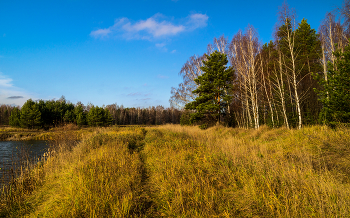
(174, 171)
(278, 173)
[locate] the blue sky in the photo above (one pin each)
(124, 52)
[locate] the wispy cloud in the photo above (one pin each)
(5, 82)
(197, 21)
(162, 46)
(138, 94)
(100, 33)
(134, 94)
(144, 99)
(154, 27)
(10, 94)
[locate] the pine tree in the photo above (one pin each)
(307, 63)
(214, 86)
(98, 116)
(80, 118)
(30, 115)
(107, 117)
(336, 93)
(15, 118)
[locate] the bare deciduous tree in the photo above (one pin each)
(189, 72)
(286, 34)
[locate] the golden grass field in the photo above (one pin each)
(175, 171)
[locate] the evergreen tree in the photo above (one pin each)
(15, 118)
(336, 93)
(69, 116)
(45, 114)
(107, 118)
(300, 51)
(30, 115)
(80, 118)
(98, 117)
(308, 45)
(213, 88)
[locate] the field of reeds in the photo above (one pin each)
(175, 171)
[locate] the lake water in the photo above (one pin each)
(12, 153)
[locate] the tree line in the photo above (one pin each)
(5, 112)
(53, 113)
(299, 78)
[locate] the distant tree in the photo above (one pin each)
(107, 117)
(69, 113)
(98, 116)
(15, 118)
(80, 117)
(69, 116)
(30, 115)
(95, 116)
(213, 86)
(336, 93)
(5, 112)
(113, 110)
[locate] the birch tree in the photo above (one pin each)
(289, 51)
(243, 53)
(190, 71)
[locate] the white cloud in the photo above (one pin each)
(10, 94)
(100, 33)
(173, 51)
(197, 21)
(162, 47)
(151, 28)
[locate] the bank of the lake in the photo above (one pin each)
(23, 148)
(17, 154)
